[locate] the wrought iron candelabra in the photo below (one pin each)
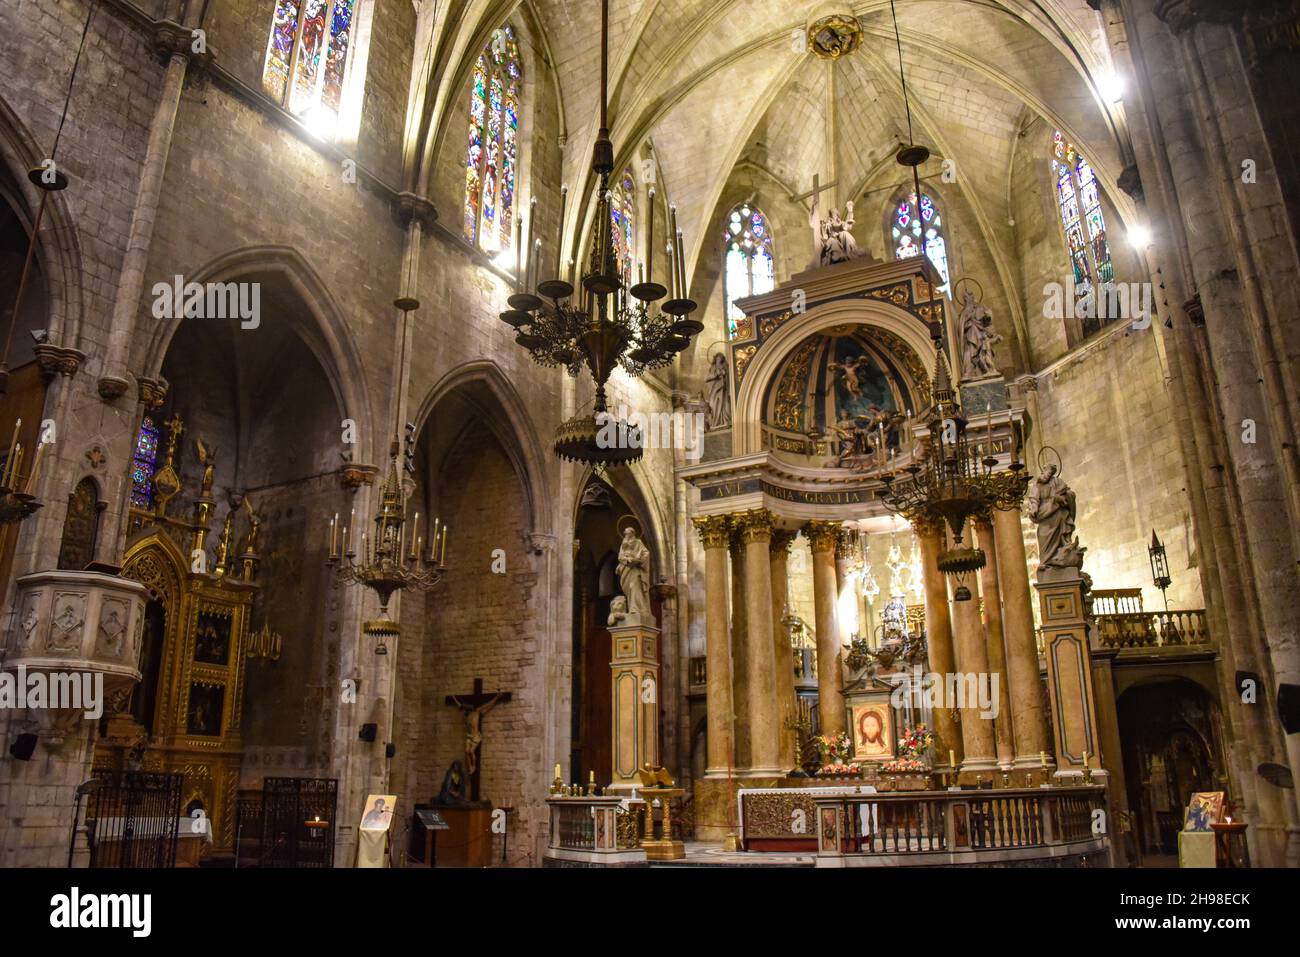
(17, 501)
(609, 322)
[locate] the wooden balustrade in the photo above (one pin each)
(1006, 825)
(1152, 629)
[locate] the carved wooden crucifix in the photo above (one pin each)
(474, 707)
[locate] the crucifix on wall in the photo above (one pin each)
(474, 706)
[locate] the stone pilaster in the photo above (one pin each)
(764, 720)
(938, 630)
(1069, 675)
(997, 657)
(830, 700)
(739, 651)
(715, 536)
(779, 555)
(1028, 719)
(634, 702)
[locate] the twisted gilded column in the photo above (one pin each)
(997, 656)
(755, 527)
(830, 701)
(739, 649)
(1028, 715)
(714, 533)
(779, 554)
(938, 634)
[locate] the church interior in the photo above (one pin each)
(869, 429)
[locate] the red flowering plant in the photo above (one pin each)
(912, 746)
(835, 750)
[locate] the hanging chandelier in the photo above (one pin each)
(607, 322)
(954, 479)
(392, 561)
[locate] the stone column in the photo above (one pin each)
(830, 701)
(764, 720)
(846, 603)
(739, 651)
(779, 553)
(715, 535)
(973, 667)
(989, 585)
(1028, 717)
(938, 631)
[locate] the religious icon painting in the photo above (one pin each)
(378, 813)
(1204, 809)
(873, 731)
(206, 704)
(212, 639)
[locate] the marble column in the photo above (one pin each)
(715, 536)
(779, 553)
(1028, 716)
(760, 663)
(997, 656)
(739, 651)
(846, 608)
(830, 700)
(938, 630)
(973, 669)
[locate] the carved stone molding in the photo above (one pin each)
(1180, 15)
(409, 207)
(112, 387)
(56, 360)
(172, 39)
(1195, 310)
(1130, 181)
(352, 477)
(152, 392)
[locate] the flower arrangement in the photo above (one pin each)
(835, 750)
(915, 742)
(907, 765)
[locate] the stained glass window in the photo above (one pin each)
(307, 58)
(748, 268)
(143, 464)
(1079, 198)
(622, 214)
(916, 230)
(492, 155)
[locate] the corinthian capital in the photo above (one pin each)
(822, 535)
(714, 530)
(754, 525)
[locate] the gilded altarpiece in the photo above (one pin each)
(196, 704)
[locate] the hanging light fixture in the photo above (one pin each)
(607, 323)
(392, 561)
(954, 479)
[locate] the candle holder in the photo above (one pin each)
(17, 502)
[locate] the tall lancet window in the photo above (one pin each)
(622, 214)
(309, 59)
(748, 268)
(1079, 199)
(492, 157)
(918, 227)
(143, 462)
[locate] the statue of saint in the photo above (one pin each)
(208, 459)
(977, 339)
(717, 397)
(453, 786)
(634, 574)
(1052, 508)
(833, 237)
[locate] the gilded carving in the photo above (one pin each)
(714, 530)
(821, 535)
(754, 525)
(743, 356)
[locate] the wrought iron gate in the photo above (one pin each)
(132, 819)
(298, 822)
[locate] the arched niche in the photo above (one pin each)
(910, 341)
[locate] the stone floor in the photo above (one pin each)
(712, 855)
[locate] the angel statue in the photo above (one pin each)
(248, 546)
(849, 368)
(208, 459)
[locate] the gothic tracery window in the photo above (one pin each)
(622, 214)
(1079, 199)
(308, 58)
(143, 463)
(492, 156)
(919, 228)
(748, 266)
